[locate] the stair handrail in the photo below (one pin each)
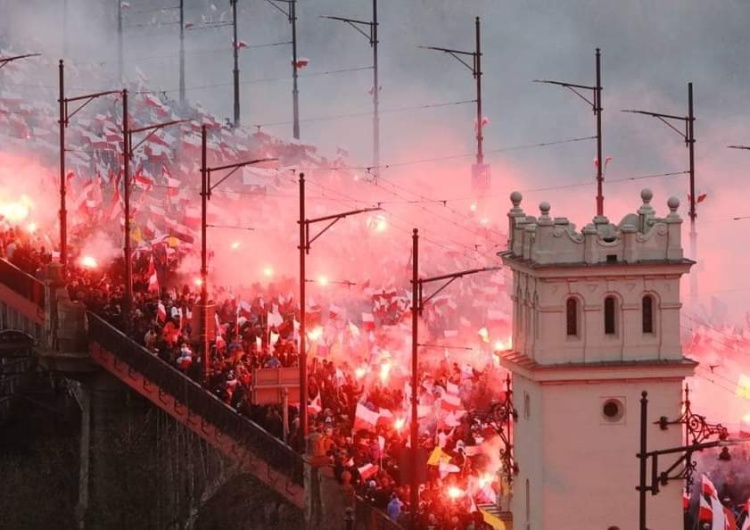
(198, 399)
(22, 282)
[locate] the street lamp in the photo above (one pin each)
(696, 434)
(65, 115)
(372, 36)
(305, 241)
(128, 149)
(6, 60)
(291, 14)
(206, 188)
(417, 306)
(480, 171)
(596, 105)
(689, 137)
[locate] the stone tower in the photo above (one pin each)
(596, 321)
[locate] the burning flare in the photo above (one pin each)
(88, 262)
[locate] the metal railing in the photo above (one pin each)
(198, 400)
(22, 283)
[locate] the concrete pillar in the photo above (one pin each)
(84, 400)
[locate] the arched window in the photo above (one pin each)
(647, 314)
(571, 317)
(610, 320)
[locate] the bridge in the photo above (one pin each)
(73, 341)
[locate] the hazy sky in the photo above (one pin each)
(650, 51)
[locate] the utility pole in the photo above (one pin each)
(302, 357)
(305, 242)
(63, 191)
(291, 14)
(126, 137)
(64, 118)
(295, 90)
(182, 52)
(236, 71)
(372, 36)
(417, 306)
(596, 105)
(128, 149)
(127, 254)
(375, 92)
(480, 171)
(414, 424)
(206, 189)
(689, 137)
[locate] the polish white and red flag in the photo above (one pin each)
(143, 180)
(365, 418)
(301, 62)
(274, 317)
(173, 185)
(315, 406)
(368, 321)
(450, 402)
(368, 471)
(161, 312)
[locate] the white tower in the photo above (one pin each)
(596, 321)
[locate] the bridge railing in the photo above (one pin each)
(197, 399)
(367, 516)
(22, 283)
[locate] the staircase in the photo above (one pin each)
(253, 448)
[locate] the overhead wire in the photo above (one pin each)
(368, 113)
(405, 221)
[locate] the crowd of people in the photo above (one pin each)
(358, 403)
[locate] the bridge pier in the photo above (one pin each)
(326, 500)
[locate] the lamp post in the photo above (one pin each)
(206, 188)
(65, 115)
(291, 13)
(480, 172)
(305, 241)
(596, 105)
(418, 301)
(696, 434)
(372, 36)
(128, 149)
(689, 137)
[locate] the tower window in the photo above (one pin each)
(647, 314)
(610, 305)
(571, 317)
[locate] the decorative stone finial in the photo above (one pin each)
(647, 195)
(516, 198)
(544, 207)
(673, 203)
